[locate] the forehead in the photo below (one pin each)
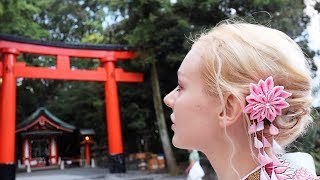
(190, 66)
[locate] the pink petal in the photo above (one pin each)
(262, 87)
(271, 114)
(273, 130)
(276, 100)
(260, 126)
(262, 115)
(255, 114)
(281, 105)
(265, 142)
(248, 108)
(278, 111)
(263, 99)
(252, 99)
(257, 143)
(254, 89)
(269, 82)
(285, 94)
(252, 128)
(277, 90)
(259, 107)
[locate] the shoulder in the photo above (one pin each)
(300, 162)
(296, 166)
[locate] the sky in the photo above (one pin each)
(313, 31)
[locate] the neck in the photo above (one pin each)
(231, 164)
(228, 167)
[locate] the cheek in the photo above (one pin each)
(194, 124)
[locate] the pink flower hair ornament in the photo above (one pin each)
(265, 103)
(266, 100)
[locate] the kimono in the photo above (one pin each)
(296, 166)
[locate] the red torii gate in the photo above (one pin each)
(11, 47)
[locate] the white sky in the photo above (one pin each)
(313, 30)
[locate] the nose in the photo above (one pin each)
(169, 100)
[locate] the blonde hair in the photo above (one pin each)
(235, 55)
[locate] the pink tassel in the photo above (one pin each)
(276, 161)
(267, 157)
(260, 126)
(276, 147)
(263, 174)
(273, 130)
(273, 176)
(265, 142)
(263, 160)
(252, 128)
(257, 143)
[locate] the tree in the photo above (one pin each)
(157, 29)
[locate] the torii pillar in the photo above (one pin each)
(114, 75)
(8, 114)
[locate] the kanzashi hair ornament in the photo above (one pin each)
(265, 103)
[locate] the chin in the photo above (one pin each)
(178, 143)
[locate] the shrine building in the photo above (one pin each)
(42, 138)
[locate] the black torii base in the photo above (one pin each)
(7, 171)
(117, 164)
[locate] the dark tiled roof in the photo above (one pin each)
(110, 47)
(49, 115)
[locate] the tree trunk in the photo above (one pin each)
(157, 101)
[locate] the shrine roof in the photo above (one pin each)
(48, 132)
(85, 132)
(112, 47)
(43, 111)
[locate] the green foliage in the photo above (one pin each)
(17, 17)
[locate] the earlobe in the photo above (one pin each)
(231, 111)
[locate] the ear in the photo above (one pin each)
(231, 111)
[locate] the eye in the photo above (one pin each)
(178, 88)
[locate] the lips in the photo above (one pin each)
(172, 118)
(173, 126)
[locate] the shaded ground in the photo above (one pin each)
(92, 174)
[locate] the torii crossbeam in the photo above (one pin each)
(10, 69)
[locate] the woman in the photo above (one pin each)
(243, 95)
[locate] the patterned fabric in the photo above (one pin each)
(254, 176)
(303, 174)
(300, 174)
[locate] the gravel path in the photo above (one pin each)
(92, 174)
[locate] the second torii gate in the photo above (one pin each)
(11, 47)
